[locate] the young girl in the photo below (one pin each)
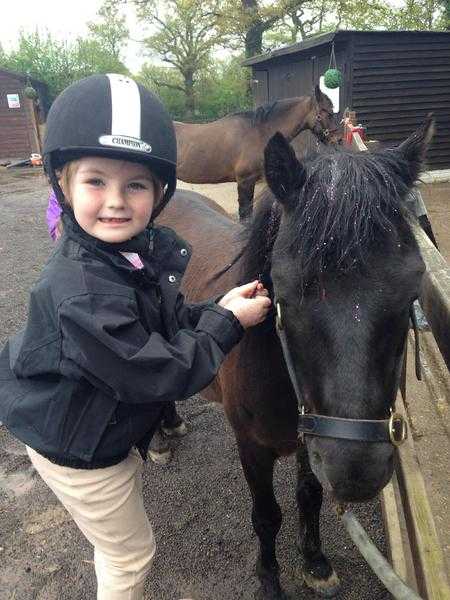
(171, 424)
(109, 340)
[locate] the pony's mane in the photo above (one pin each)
(266, 112)
(349, 203)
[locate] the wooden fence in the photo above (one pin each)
(414, 547)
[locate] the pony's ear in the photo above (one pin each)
(284, 173)
(415, 148)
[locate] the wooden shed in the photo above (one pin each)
(20, 118)
(392, 79)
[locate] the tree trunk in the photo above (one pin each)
(254, 33)
(190, 95)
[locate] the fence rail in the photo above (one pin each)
(414, 546)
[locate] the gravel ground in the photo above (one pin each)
(199, 504)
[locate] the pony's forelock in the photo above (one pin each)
(349, 202)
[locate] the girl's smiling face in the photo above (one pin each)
(112, 199)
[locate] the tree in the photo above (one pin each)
(248, 20)
(260, 26)
(446, 14)
(221, 88)
(42, 57)
(59, 63)
(420, 14)
(111, 31)
(186, 33)
(167, 83)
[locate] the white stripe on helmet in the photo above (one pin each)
(126, 106)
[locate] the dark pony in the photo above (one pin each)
(332, 241)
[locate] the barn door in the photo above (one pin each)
(260, 86)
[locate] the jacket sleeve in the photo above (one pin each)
(189, 314)
(103, 336)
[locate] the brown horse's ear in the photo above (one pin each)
(284, 173)
(415, 147)
(318, 94)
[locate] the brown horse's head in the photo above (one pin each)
(345, 269)
(321, 119)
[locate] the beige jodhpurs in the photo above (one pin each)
(107, 506)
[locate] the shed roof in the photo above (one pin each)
(326, 38)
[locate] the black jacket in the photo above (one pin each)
(104, 347)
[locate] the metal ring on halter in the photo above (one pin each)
(398, 429)
(279, 322)
(301, 434)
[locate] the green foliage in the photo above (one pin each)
(221, 89)
(167, 83)
(111, 32)
(59, 63)
(419, 14)
(186, 33)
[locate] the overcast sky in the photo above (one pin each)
(63, 18)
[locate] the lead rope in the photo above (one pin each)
(418, 364)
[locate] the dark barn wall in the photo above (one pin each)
(17, 125)
(297, 74)
(397, 80)
(391, 79)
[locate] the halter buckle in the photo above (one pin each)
(301, 434)
(278, 319)
(398, 429)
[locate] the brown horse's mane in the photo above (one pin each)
(259, 235)
(265, 112)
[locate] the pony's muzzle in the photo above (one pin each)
(351, 471)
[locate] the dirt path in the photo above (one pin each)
(199, 504)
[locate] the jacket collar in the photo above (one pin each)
(110, 253)
(140, 243)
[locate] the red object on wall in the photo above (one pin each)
(350, 130)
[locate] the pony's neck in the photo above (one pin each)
(260, 239)
(292, 120)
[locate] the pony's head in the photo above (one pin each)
(321, 119)
(346, 269)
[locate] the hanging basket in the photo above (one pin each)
(333, 78)
(30, 92)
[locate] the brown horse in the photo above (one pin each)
(232, 148)
(333, 245)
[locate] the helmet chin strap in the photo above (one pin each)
(170, 190)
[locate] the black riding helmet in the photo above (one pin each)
(114, 117)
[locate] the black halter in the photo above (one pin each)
(393, 430)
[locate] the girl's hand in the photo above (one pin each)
(249, 290)
(249, 303)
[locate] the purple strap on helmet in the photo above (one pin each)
(53, 215)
